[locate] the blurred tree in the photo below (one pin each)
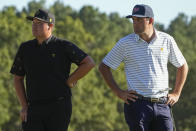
(33, 6)
(184, 33)
(61, 11)
(14, 31)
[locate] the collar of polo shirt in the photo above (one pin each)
(137, 37)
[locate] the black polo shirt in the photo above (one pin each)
(46, 67)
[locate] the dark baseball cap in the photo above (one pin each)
(142, 11)
(43, 15)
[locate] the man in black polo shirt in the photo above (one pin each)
(45, 62)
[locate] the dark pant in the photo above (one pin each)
(49, 116)
(147, 116)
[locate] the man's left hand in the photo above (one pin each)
(172, 99)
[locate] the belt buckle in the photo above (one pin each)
(154, 99)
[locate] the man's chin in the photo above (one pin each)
(35, 35)
(138, 32)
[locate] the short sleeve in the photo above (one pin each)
(115, 56)
(18, 64)
(75, 54)
(175, 55)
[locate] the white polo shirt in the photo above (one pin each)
(146, 63)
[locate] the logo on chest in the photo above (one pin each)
(53, 55)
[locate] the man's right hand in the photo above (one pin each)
(71, 85)
(23, 114)
(126, 95)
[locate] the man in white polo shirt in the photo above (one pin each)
(146, 53)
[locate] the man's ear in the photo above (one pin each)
(151, 21)
(50, 26)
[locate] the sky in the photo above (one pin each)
(164, 10)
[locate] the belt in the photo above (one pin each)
(47, 101)
(162, 100)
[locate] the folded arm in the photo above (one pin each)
(108, 77)
(180, 80)
(83, 68)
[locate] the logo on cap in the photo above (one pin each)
(50, 20)
(136, 9)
